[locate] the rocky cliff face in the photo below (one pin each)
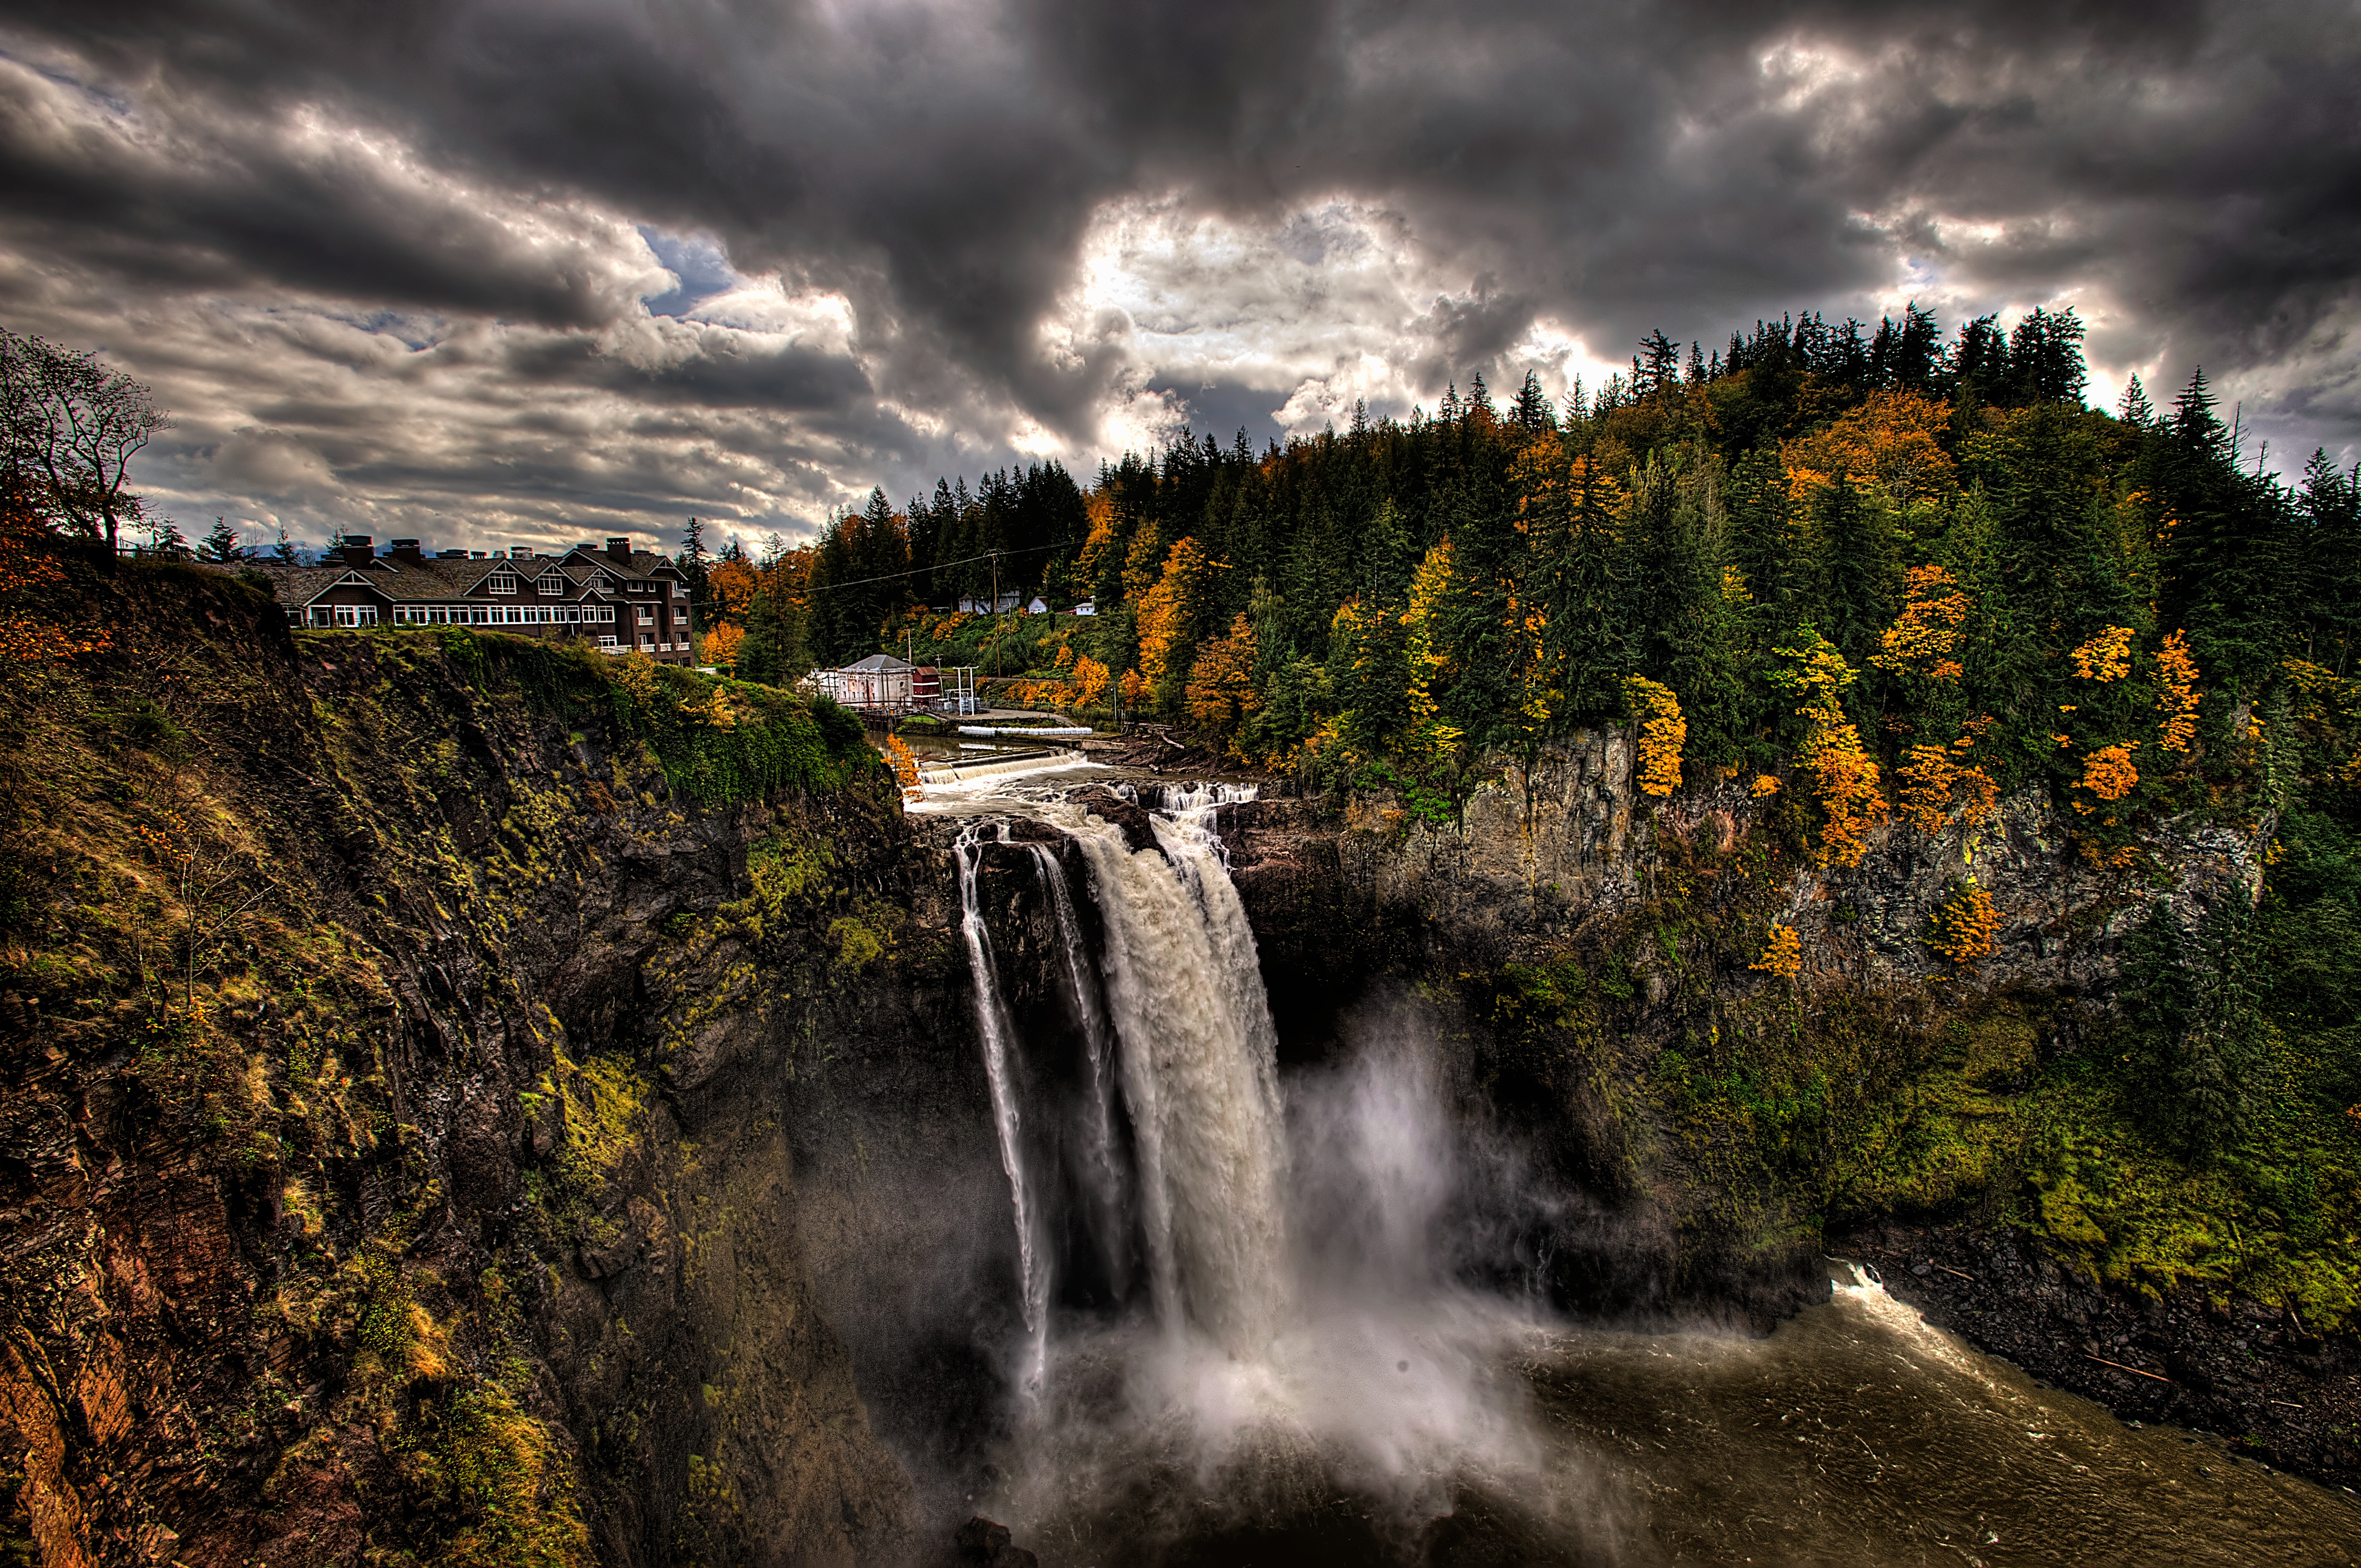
(418, 1113)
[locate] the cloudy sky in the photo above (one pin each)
(526, 271)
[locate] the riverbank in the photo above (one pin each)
(2254, 1373)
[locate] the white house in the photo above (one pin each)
(879, 681)
(1085, 606)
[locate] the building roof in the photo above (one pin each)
(438, 581)
(885, 661)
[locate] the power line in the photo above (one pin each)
(922, 571)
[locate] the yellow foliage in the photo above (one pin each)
(905, 763)
(1965, 927)
(720, 645)
(1135, 690)
(2108, 773)
(1846, 775)
(2107, 656)
(1090, 680)
(1140, 562)
(2177, 697)
(1167, 609)
(1100, 507)
(1428, 586)
(1936, 782)
(717, 710)
(636, 673)
(1783, 953)
(1663, 733)
(1893, 439)
(1220, 682)
(1764, 786)
(1923, 641)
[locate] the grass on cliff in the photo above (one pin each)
(719, 740)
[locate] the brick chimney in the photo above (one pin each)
(620, 551)
(519, 552)
(408, 551)
(358, 550)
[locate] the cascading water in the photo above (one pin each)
(999, 1035)
(1103, 1174)
(1199, 1077)
(1303, 1321)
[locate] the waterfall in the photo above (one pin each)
(1103, 1174)
(999, 1035)
(1199, 1070)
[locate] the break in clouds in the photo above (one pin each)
(493, 271)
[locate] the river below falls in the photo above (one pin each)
(1854, 1434)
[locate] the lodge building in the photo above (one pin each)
(618, 598)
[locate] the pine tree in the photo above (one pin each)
(1532, 412)
(695, 568)
(2135, 409)
(1657, 365)
(2227, 541)
(1857, 567)
(221, 543)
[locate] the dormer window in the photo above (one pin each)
(500, 583)
(599, 585)
(550, 584)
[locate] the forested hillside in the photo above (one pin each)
(1910, 563)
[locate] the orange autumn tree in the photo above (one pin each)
(1169, 610)
(1783, 953)
(1893, 439)
(1926, 640)
(1221, 690)
(1090, 680)
(2177, 696)
(2108, 774)
(1937, 785)
(732, 584)
(1845, 776)
(719, 644)
(2107, 656)
(1663, 733)
(1964, 929)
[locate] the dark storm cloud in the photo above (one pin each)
(2188, 175)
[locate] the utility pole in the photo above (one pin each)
(996, 626)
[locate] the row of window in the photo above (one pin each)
(550, 584)
(356, 615)
(499, 614)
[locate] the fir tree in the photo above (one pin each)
(1532, 412)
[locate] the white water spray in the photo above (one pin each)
(999, 1035)
(1200, 1075)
